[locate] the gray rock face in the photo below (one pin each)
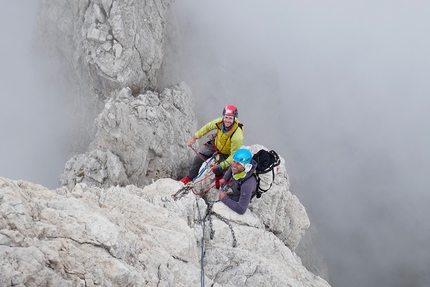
(139, 139)
(114, 222)
(107, 44)
(128, 236)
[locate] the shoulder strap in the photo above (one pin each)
(239, 125)
(257, 191)
(241, 181)
(233, 130)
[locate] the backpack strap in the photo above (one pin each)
(267, 156)
(256, 192)
(276, 161)
(259, 189)
(231, 132)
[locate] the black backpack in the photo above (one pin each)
(266, 162)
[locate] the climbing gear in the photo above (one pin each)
(183, 190)
(231, 131)
(209, 214)
(198, 154)
(197, 182)
(212, 233)
(230, 110)
(266, 162)
(242, 156)
(227, 189)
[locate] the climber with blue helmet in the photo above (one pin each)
(228, 139)
(240, 177)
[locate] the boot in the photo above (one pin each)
(185, 180)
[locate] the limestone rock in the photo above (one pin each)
(139, 139)
(114, 222)
(76, 32)
(128, 236)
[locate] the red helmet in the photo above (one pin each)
(230, 110)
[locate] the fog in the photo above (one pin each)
(341, 91)
(35, 123)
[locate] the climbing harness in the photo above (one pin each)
(198, 180)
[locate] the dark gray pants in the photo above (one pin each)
(207, 151)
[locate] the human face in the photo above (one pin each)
(228, 121)
(236, 167)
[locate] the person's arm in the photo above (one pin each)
(226, 178)
(246, 191)
(191, 141)
(207, 128)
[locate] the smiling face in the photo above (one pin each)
(228, 121)
(236, 167)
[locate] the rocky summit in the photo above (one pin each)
(131, 236)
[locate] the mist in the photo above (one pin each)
(35, 122)
(341, 91)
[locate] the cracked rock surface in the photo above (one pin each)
(138, 140)
(107, 44)
(129, 236)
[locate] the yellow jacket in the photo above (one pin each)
(225, 142)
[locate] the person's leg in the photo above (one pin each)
(206, 152)
(195, 166)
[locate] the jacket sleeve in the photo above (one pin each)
(246, 191)
(227, 175)
(207, 128)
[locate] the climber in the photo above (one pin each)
(241, 180)
(225, 142)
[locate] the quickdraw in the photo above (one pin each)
(183, 190)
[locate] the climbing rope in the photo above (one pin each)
(212, 232)
(183, 190)
(198, 154)
(202, 269)
(192, 184)
(229, 225)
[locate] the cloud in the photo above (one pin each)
(341, 91)
(34, 120)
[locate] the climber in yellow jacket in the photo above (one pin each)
(228, 139)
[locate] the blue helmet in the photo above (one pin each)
(242, 156)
